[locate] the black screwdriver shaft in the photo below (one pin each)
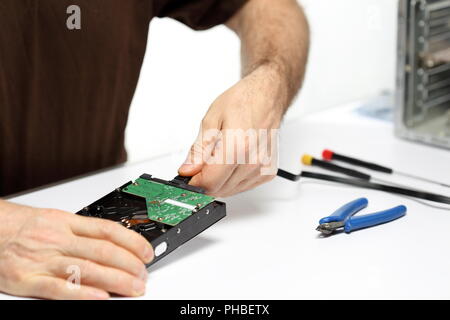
(334, 167)
(366, 184)
(361, 163)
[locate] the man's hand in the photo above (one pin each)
(275, 41)
(250, 108)
(42, 251)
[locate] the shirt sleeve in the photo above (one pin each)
(198, 14)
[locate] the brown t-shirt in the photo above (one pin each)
(65, 92)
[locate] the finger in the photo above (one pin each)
(242, 173)
(213, 177)
(107, 254)
(190, 170)
(98, 276)
(202, 149)
(54, 288)
(248, 184)
(115, 233)
(194, 161)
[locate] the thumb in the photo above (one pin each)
(190, 170)
(200, 152)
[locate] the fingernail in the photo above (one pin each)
(148, 254)
(138, 287)
(99, 295)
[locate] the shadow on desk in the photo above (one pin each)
(192, 246)
(254, 204)
(238, 209)
(246, 206)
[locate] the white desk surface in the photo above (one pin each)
(268, 248)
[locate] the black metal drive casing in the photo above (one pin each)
(119, 205)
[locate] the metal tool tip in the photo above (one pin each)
(324, 230)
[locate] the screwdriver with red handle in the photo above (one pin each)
(331, 155)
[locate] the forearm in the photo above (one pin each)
(274, 37)
(275, 40)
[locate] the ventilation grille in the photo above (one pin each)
(423, 87)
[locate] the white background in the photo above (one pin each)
(352, 57)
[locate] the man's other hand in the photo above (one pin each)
(52, 254)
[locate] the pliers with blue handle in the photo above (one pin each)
(343, 217)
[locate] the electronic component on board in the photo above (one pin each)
(166, 213)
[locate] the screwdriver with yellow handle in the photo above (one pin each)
(331, 155)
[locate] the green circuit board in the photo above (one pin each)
(167, 204)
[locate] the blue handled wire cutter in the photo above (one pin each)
(343, 217)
